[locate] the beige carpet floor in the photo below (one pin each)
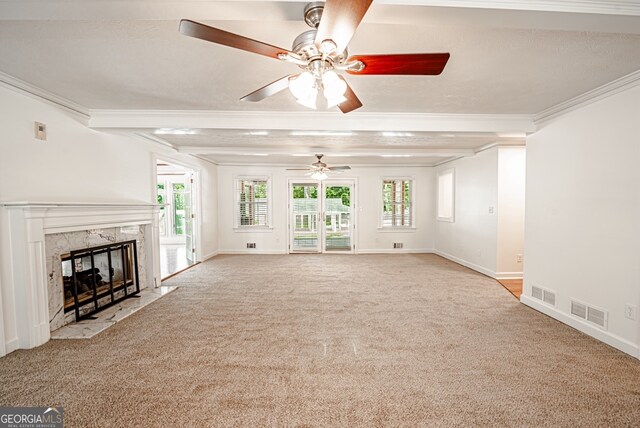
(329, 340)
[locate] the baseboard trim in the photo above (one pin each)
(11, 345)
(396, 251)
(210, 255)
(477, 268)
(603, 336)
(508, 275)
(252, 252)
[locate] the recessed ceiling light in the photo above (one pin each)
(256, 133)
(448, 135)
(397, 134)
(396, 156)
(175, 131)
(321, 133)
(259, 154)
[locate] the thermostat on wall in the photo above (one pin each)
(41, 131)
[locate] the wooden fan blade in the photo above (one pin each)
(268, 90)
(215, 35)
(339, 168)
(340, 19)
(408, 64)
(352, 102)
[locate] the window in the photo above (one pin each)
(446, 206)
(397, 203)
(253, 202)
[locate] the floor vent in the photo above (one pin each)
(251, 245)
(594, 315)
(398, 245)
(549, 297)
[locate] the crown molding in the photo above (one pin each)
(260, 10)
(32, 91)
(602, 7)
(312, 120)
(619, 85)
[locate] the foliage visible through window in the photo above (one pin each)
(179, 208)
(253, 204)
(161, 201)
(396, 203)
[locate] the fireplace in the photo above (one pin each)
(42, 234)
(97, 277)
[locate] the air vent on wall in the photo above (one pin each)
(579, 309)
(597, 316)
(398, 245)
(536, 292)
(547, 296)
(251, 245)
(594, 315)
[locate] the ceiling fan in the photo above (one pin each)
(320, 52)
(318, 170)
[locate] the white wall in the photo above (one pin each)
(77, 164)
(511, 206)
(471, 239)
(368, 195)
(582, 236)
(488, 228)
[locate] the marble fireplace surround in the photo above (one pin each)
(30, 223)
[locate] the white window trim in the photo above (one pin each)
(236, 206)
(412, 226)
(452, 218)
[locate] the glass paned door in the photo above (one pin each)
(304, 217)
(337, 226)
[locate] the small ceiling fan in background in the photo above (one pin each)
(318, 170)
(320, 52)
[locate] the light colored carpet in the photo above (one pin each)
(330, 340)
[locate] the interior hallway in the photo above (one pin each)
(329, 340)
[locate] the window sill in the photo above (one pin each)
(397, 229)
(446, 220)
(256, 229)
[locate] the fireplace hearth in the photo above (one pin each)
(97, 277)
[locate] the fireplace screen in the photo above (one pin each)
(95, 278)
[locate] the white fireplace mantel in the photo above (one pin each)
(29, 222)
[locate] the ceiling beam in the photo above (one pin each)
(275, 151)
(311, 121)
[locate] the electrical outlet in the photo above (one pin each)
(631, 312)
(491, 210)
(519, 258)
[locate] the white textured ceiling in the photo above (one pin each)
(497, 66)
(129, 55)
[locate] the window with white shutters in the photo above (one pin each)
(397, 210)
(253, 202)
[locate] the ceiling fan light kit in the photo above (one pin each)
(320, 52)
(319, 170)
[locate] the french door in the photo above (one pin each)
(321, 216)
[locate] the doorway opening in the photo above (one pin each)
(321, 216)
(175, 185)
